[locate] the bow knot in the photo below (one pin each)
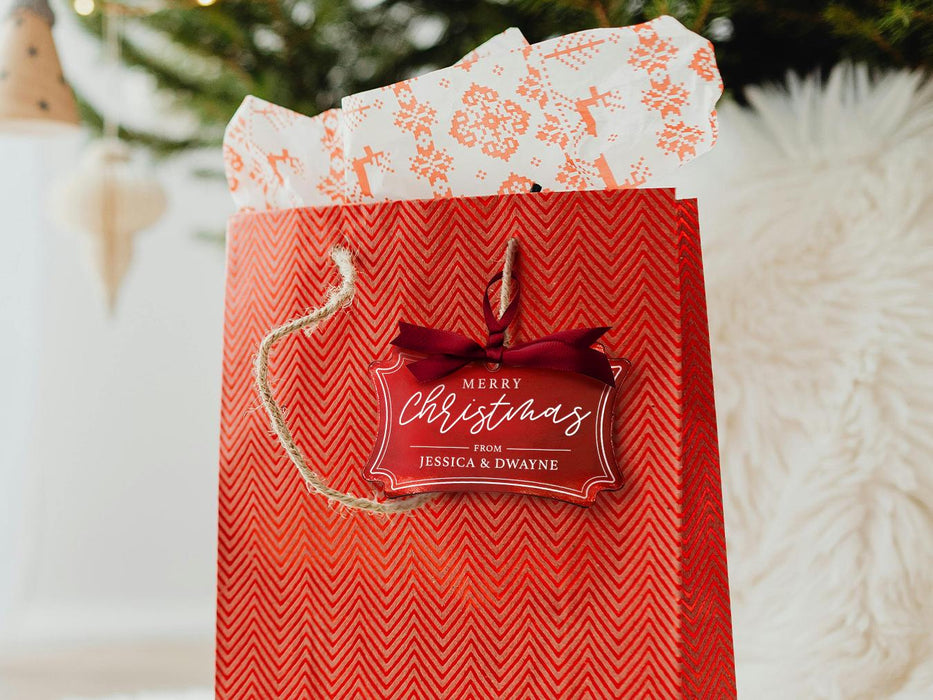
(567, 351)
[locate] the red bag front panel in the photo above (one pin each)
(473, 595)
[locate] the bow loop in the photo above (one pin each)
(447, 351)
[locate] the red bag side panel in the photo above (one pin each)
(706, 632)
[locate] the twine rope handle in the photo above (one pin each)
(505, 290)
(338, 298)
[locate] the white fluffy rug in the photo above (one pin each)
(817, 216)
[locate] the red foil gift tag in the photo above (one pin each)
(523, 430)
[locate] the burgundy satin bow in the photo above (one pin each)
(567, 351)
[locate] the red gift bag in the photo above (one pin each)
(472, 595)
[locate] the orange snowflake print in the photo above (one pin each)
(665, 97)
(516, 184)
(532, 87)
(678, 138)
(331, 186)
(466, 63)
(652, 53)
(416, 118)
(704, 65)
(570, 176)
(431, 164)
(552, 132)
(489, 122)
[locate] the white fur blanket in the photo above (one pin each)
(817, 218)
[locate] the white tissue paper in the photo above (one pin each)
(598, 109)
(275, 158)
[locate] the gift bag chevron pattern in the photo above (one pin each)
(473, 595)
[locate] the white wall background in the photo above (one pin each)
(108, 425)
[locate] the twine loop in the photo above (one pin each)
(338, 298)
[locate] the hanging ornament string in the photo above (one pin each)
(339, 298)
(108, 200)
(111, 131)
(112, 26)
